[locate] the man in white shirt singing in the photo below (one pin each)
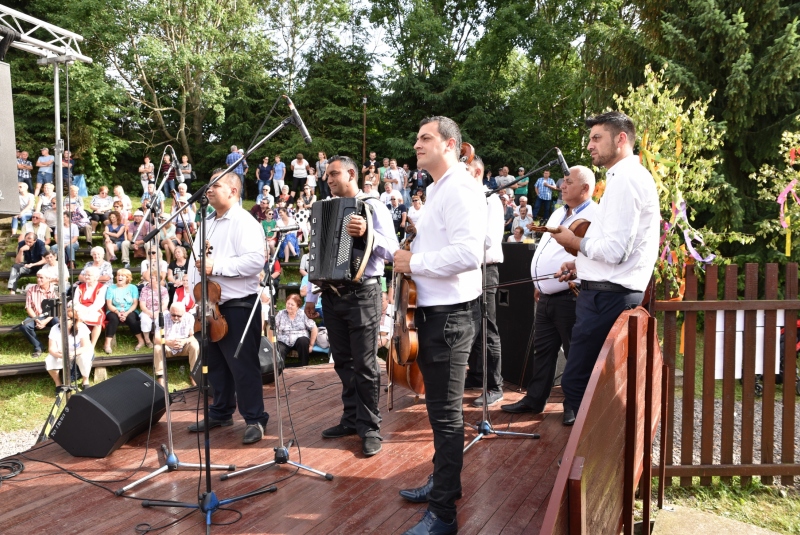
(616, 257)
(444, 262)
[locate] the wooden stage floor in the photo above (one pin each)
(506, 481)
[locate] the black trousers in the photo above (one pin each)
(595, 314)
(552, 324)
(324, 189)
(237, 380)
(445, 340)
(300, 345)
(494, 379)
(112, 323)
(353, 321)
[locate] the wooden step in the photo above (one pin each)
(27, 368)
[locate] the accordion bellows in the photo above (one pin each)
(334, 257)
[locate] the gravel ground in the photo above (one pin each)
(737, 433)
(16, 441)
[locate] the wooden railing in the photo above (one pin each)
(750, 346)
(610, 447)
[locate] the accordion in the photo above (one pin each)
(334, 257)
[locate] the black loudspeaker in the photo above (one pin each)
(515, 311)
(9, 197)
(104, 417)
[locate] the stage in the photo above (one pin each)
(506, 481)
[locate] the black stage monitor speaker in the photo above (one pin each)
(104, 417)
(515, 307)
(9, 198)
(264, 359)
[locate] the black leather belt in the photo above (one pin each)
(345, 289)
(557, 294)
(605, 287)
(442, 309)
(240, 302)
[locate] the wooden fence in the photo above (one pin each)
(610, 447)
(726, 310)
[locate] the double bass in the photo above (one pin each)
(401, 365)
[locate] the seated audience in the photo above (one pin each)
(153, 299)
(265, 195)
(415, 211)
(168, 240)
(122, 302)
(74, 205)
(120, 196)
(37, 319)
(295, 330)
(130, 232)
(89, 302)
(46, 204)
(70, 234)
(155, 264)
(288, 239)
(124, 215)
(183, 294)
(80, 349)
(518, 236)
(260, 210)
(523, 220)
(26, 205)
(106, 271)
(50, 267)
(114, 235)
(29, 260)
(308, 196)
(303, 215)
(179, 340)
(102, 204)
(38, 226)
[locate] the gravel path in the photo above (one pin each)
(16, 441)
(737, 432)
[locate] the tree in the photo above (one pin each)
(747, 53)
(175, 60)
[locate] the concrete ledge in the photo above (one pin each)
(682, 521)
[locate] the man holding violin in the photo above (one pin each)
(445, 263)
(353, 317)
(555, 308)
(616, 257)
(234, 252)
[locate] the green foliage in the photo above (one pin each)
(772, 181)
(748, 54)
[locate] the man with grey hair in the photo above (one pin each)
(178, 339)
(555, 302)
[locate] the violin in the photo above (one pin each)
(578, 227)
(401, 365)
(217, 325)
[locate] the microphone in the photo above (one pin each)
(563, 162)
(298, 121)
(288, 228)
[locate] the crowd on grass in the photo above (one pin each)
(115, 226)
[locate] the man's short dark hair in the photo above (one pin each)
(616, 122)
(447, 128)
(346, 161)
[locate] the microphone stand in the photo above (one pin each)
(282, 451)
(208, 503)
(484, 426)
(171, 462)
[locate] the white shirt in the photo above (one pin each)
(550, 255)
(495, 225)
(299, 168)
(448, 249)
(386, 198)
(621, 245)
(395, 176)
(414, 214)
(238, 242)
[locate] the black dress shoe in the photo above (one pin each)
(520, 407)
(253, 433)
(433, 525)
(419, 494)
(370, 446)
(338, 431)
(569, 417)
(200, 426)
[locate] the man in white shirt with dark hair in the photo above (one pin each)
(444, 262)
(616, 257)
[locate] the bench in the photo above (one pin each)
(27, 368)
